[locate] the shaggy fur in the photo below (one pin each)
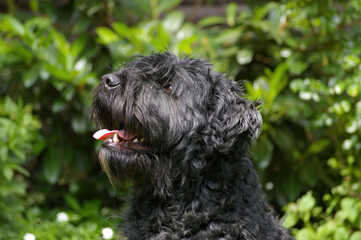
(192, 177)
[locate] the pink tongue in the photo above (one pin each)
(104, 134)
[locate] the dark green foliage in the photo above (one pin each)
(18, 131)
(300, 57)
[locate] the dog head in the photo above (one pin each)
(159, 113)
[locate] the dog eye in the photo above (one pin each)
(168, 88)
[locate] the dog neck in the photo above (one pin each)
(228, 188)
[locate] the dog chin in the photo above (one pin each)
(127, 146)
(121, 164)
(118, 153)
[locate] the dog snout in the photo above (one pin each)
(110, 81)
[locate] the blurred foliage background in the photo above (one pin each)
(300, 57)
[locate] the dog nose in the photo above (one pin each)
(110, 80)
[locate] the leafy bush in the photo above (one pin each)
(42, 67)
(300, 57)
(146, 37)
(309, 55)
(70, 225)
(339, 220)
(38, 64)
(18, 130)
(258, 50)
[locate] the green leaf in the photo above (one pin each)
(8, 172)
(290, 221)
(341, 233)
(34, 5)
(283, 138)
(351, 126)
(297, 85)
(291, 186)
(10, 108)
(20, 153)
(211, 20)
(356, 235)
(278, 79)
(61, 43)
(68, 93)
(346, 105)
(254, 91)
(262, 152)
(72, 202)
(91, 208)
(165, 5)
(348, 206)
(82, 163)
(30, 76)
(80, 65)
(78, 46)
(229, 36)
(21, 170)
(306, 202)
(78, 124)
(305, 234)
(122, 29)
(308, 174)
(52, 164)
(298, 65)
(58, 105)
(350, 61)
(347, 144)
(42, 23)
(187, 33)
(261, 11)
(106, 35)
(318, 146)
(15, 25)
(348, 203)
(231, 11)
(353, 90)
(291, 217)
(173, 21)
(58, 72)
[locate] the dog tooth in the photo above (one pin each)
(115, 138)
(136, 140)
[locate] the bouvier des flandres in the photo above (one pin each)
(181, 132)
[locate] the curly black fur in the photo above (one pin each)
(194, 180)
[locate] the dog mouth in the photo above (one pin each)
(121, 139)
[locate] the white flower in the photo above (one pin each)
(29, 236)
(269, 185)
(107, 233)
(62, 217)
(285, 53)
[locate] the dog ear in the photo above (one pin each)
(233, 119)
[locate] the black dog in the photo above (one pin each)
(181, 132)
